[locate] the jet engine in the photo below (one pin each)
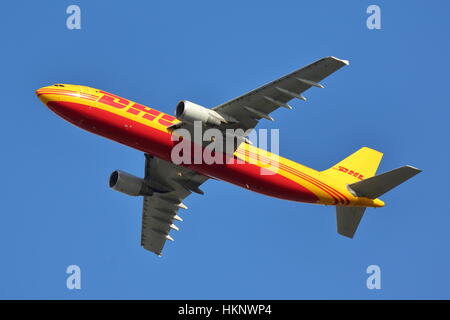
(189, 112)
(129, 184)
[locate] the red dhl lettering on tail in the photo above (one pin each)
(136, 108)
(350, 172)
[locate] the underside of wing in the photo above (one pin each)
(249, 108)
(158, 219)
(160, 210)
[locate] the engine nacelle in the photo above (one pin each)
(189, 112)
(129, 184)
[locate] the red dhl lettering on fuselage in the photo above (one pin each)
(136, 109)
(350, 172)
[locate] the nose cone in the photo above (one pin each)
(43, 94)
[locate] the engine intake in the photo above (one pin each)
(129, 184)
(189, 112)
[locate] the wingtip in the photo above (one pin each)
(346, 62)
(346, 234)
(414, 168)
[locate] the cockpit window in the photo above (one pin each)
(58, 85)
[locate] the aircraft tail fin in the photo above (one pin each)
(358, 166)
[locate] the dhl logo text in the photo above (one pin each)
(350, 172)
(136, 109)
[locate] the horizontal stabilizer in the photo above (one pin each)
(376, 186)
(348, 219)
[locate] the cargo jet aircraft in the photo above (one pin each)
(351, 185)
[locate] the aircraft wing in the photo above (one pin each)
(249, 108)
(160, 210)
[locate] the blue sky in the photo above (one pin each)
(58, 210)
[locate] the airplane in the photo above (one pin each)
(350, 185)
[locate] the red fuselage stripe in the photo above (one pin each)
(77, 95)
(74, 93)
(342, 197)
(298, 174)
(330, 190)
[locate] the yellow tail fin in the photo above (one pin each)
(358, 166)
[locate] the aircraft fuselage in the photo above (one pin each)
(147, 130)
